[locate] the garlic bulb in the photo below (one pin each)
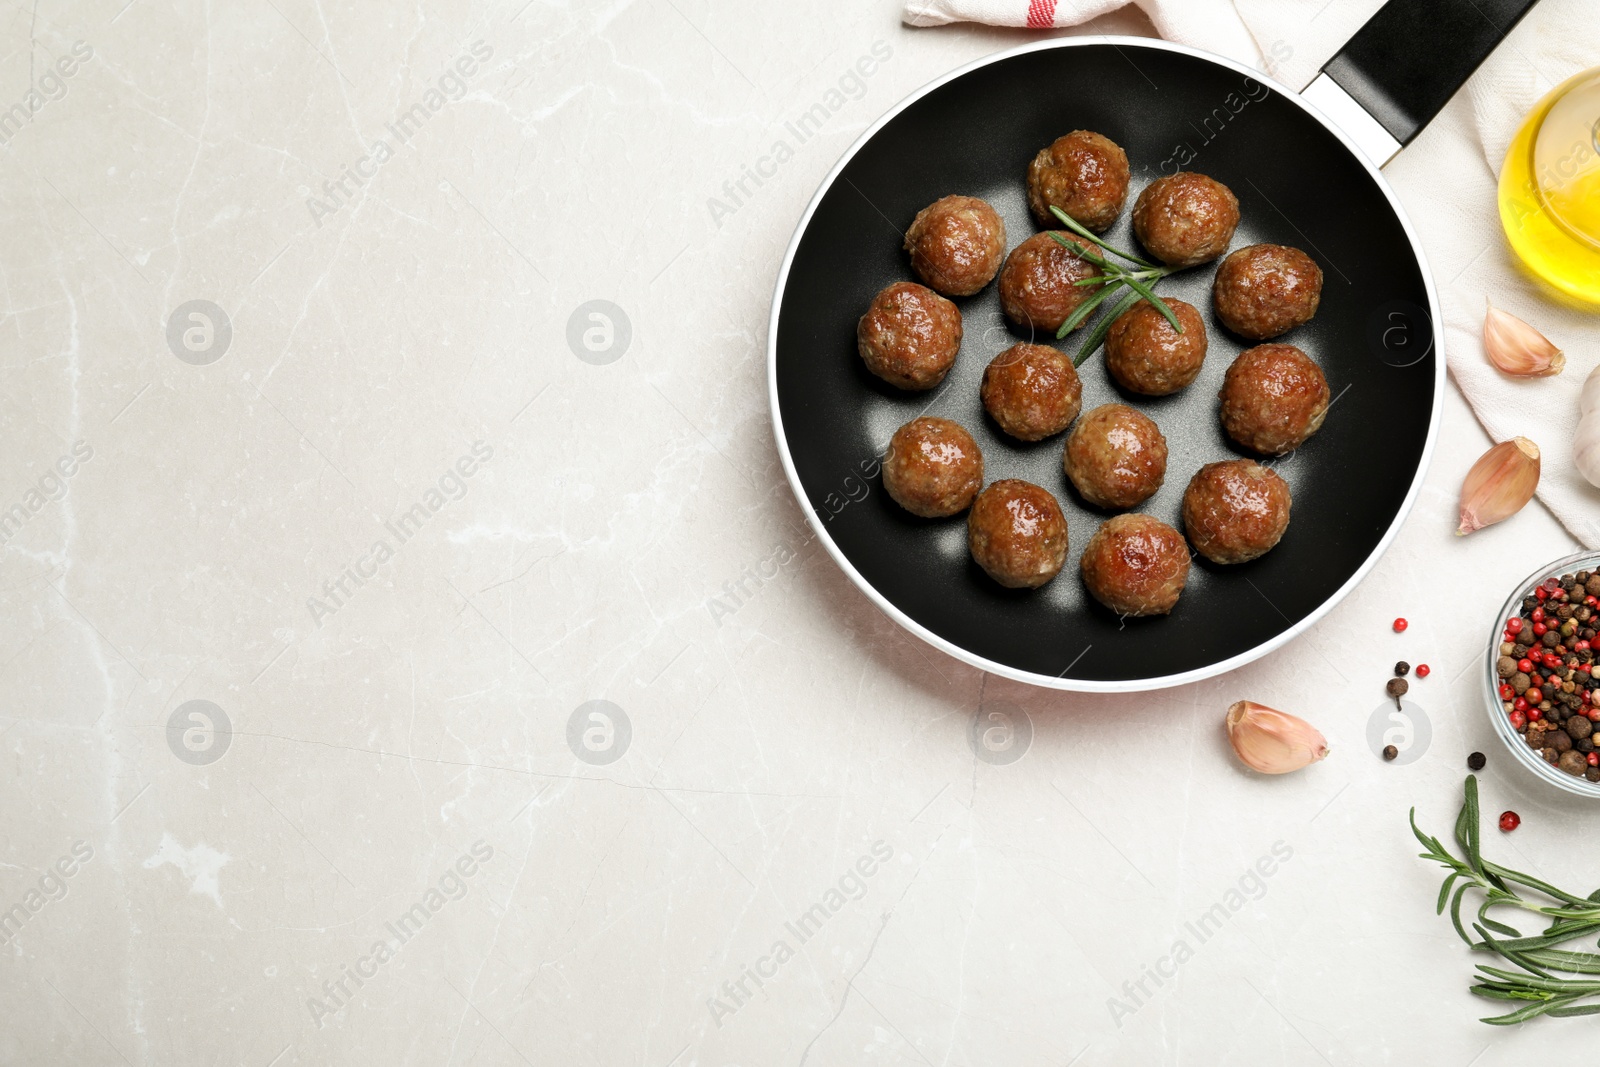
(1517, 348)
(1586, 442)
(1499, 484)
(1271, 741)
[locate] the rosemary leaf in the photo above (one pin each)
(1530, 1012)
(1576, 962)
(1444, 892)
(1455, 911)
(1545, 941)
(1562, 986)
(1085, 309)
(1473, 842)
(1497, 927)
(1101, 328)
(1534, 883)
(1518, 958)
(1078, 228)
(1149, 294)
(1500, 992)
(1083, 253)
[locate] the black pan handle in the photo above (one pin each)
(1406, 63)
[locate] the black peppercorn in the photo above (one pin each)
(1390, 752)
(1402, 669)
(1476, 761)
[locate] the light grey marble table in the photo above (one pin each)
(334, 524)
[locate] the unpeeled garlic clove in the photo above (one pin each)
(1586, 442)
(1499, 484)
(1271, 741)
(1517, 348)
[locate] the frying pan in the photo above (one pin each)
(1305, 170)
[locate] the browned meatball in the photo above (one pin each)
(1115, 456)
(1146, 355)
(1235, 510)
(1017, 534)
(1273, 398)
(1036, 284)
(1185, 219)
(933, 467)
(1262, 291)
(956, 244)
(1032, 391)
(1083, 174)
(909, 336)
(1136, 565)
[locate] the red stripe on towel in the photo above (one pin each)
(1041, 14)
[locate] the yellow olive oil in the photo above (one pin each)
(1550, 188)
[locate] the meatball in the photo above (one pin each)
(1115, 456)
(933, 467)
(1032, 391)
(1083, 174)
(1235, 510)
(1262, 291)
(956, 244)
(1036, 283)
(909, 336)
(1185, 219)
(1146, 355)
(1273, 398)
(1136, 565)
(1017, 534)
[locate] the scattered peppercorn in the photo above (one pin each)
(1397, 688)
(1400, 626)
(1423, 670)
(1390, 752)
(1402, 669)
(1476, 761)
(1509, 821)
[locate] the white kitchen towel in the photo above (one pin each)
(1447, 179)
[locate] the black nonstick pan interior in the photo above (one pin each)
(1297, 184)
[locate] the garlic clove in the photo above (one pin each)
(1499, 484)
(1271, 741)
(1517, 348)
(1586, 441)
(1589, 398)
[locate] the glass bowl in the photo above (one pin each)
(1514, 741)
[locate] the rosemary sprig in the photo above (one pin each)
(1538, 984)
(1113, 276)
